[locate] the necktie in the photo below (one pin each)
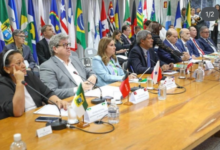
(128, 40)
(186, 48)
(210, 43)
(197, 46)
(148, 59)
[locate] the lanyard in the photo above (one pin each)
(112, 65)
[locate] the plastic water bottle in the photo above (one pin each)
(162, 91)
(199, 75)
(18, 144)
(113, 113)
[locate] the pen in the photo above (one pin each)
(132, 69)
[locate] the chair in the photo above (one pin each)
(125, 65)
(90, 52)
(86, 62)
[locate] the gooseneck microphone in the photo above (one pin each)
(56, 125)
(95, 100)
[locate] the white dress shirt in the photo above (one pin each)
(29, 102)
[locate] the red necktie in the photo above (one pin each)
(194, 41)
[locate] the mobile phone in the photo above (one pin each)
(46, 119)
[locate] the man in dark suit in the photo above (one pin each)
(18, 44)
(142, 55)
(136, 30)
(193, 44)
(182, 42)
(170, 41)
(43, 51)
(205, 42)
(126, 30)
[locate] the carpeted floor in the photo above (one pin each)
(212, 143)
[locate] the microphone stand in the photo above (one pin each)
(95, 100)
(57, 124)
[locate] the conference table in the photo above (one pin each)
(182, 121)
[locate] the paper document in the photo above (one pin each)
(193, 61)
(106, 91)
(170, 72)
(122, 57)
(51, 110)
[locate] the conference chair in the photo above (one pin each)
(90, 52)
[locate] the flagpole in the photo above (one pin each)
(190, 77)
(81, 123)
(128, 103)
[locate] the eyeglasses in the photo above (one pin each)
(65, 45)
(205, 32)
(21, 36)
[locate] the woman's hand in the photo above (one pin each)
(132, 76)
(19, 75)
(123, 50)
(62, 104)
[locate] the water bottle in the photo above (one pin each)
(199, 75)
(162, 91)
(113, 113)
(18, 144)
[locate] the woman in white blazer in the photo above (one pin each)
(105, 65)
(214, 27)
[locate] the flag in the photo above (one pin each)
(111, 19)
(32, 30)
(98, 25)
(63, 21)
(127, 18)
(79, 102)
(157, 73)
(24, 23)
(54, 19)
(140, 15)
(71, 28)
(117, 19)
(168, 17)
(80, 30)
(91, 27)
(178, 21)
(5, 24)
(13, 15)
(2, 43)
(145, 11)
(133, 18)
(41, 16)
(105, 28)
(153, 15)
(190, 64)
(125, 86)
(187, 23)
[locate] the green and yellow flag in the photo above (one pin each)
(80, 30)
(188, 16)
(5, 23)
(79, 102)
(140, 15)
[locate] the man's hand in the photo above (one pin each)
(171, 65)
(186, 56)
(92, 79)
(165, 67)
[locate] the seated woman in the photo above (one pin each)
(121, 48)
(15, 97)
(106, 65)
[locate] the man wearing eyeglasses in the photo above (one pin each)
(206, 43)
(18, 44)
(64, 72)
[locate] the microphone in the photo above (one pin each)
(56, 125)
(95, 100)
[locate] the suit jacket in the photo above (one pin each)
(124, 39)
(120, 46)
(43, 51)
(26, 53)
(133, 38)
(205, 46)
(181, 46)
(193, 47)
(8, 88)
(56, 77)
(105, 73)
(166, 56)
(138, 62)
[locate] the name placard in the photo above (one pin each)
(96, 112)
(170, 83)
(44, 131)
(208, 65)
(139, 96)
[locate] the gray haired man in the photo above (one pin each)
(64, 72)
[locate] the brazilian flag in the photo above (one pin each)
(80, 30)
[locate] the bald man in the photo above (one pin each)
(182, 42)
(170, 41)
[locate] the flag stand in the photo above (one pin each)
(81, 123)
(128, 103)
(190, 77)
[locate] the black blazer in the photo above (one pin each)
(43, 51)
(133, 38)
(124, 39)
(120, 46)
(7, 91)
(138, 62)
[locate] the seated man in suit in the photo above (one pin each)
(182, 42)
(194, 44)
(142, 55)
(18, 44)
(136, 30)
(205, 42)
(170, 41)
(126, 30)
(64, 72)
(43, 51)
